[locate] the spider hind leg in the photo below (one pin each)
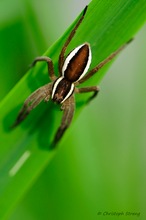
(49, 64)
(68, 40)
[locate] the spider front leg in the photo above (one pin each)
(94, 89)
(49, 63)
(68, 108)
(43, 93)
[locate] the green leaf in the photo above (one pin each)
(19, 42)
(24, 153)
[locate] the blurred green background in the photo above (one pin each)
(103, 167)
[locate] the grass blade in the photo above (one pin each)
(23, 153)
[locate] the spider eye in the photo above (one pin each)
(77, 63)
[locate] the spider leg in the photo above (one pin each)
(32, 101)
(102, 63)
(71, 35)
(94, 89)
(49, 63)
(68, 108)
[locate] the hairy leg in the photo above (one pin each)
(71, 35)
(49, 63)
(94, 89)
(101, 64)
(68, 108)
(43, 93)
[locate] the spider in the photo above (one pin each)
(61, 90)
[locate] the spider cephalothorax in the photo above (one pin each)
(72, 70)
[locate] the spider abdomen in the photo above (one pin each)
(62, 90)
(74, 68)
(77, 63)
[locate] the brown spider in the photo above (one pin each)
(72, 70)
